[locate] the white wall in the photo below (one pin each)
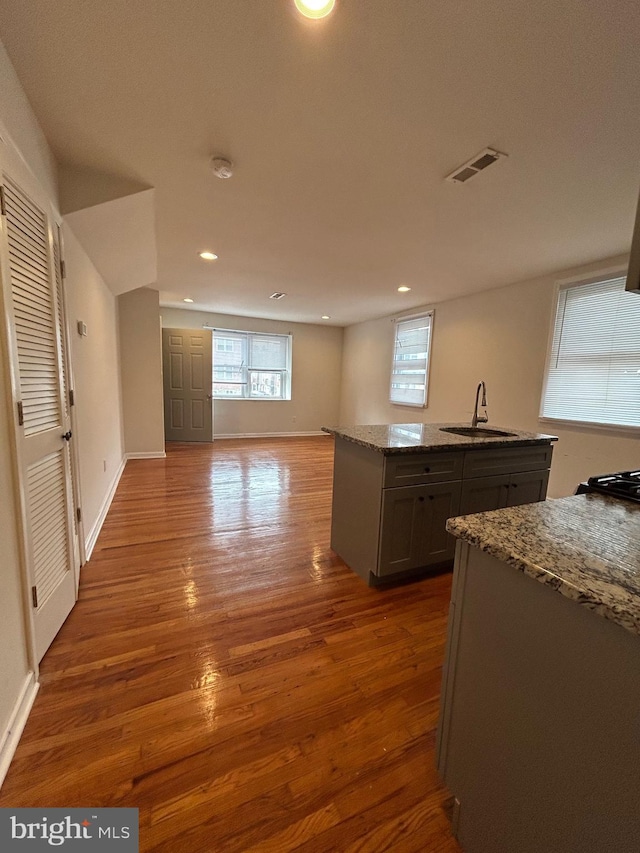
(499, 336)
(141, 371)
(98, 411)
(96, 379)
(315, 385)
(18, 126)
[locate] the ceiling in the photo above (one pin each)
(342, 132)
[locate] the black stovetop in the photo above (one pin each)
(625, 484)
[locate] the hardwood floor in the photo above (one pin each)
(227, 674)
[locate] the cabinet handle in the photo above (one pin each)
(514, 485)
(430, 497)
(421, 498)
(427, 470)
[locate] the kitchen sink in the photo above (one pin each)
(480, 432)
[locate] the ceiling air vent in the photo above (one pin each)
(476, 164)
(277, 295)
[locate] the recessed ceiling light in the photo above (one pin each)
(186, 299)
(403, 288)
(314, 8)
(208, 256)
(325, 317)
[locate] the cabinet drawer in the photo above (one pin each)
(484, 463)
(414, 468)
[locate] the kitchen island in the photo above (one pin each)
(395, 486)
(539, 732)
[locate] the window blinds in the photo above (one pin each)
(411, 361)
(593, 373)
(251, 364)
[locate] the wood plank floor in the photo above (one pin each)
(227, 674)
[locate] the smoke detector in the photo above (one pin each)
(471, 168)
(221, 167)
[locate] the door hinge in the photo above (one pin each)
(34, 595)
(3, 203)
(20, 414)
(78, 514)
(63, 268)
(71, 397)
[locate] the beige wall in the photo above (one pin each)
(98, 425)
(499, 336)
(141, 371)
(18, 125)
(315, 385)
(96, 379)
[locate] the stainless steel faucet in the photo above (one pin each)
(480, 419)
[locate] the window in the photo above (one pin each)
(251, 365)
(410, 369)
(593, 372)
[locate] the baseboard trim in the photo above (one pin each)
(17, 721)
(150, 455)
(266, 435)
(104, 509)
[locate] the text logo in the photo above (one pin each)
(79, 830)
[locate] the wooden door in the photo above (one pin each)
(32, 286)
(187, 383)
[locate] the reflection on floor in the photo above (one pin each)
(225, 672)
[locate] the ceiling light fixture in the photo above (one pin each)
(186, 299)
(315, 8)
(277, 295)
(325, 317)
(403, 288)
(208, 256)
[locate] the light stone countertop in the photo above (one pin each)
(391, 439)
(586, 547)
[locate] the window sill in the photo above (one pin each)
(253, 399)
(631, 431)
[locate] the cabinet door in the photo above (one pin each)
(442, 501)
(484, 493)
(413, 526)
(527, 488)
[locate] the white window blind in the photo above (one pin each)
(251, 365)
(410, 369)
(593, 373)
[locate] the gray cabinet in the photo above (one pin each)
(413, 526)
(389, 511)
(482, 494)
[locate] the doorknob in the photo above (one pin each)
(209, 396)
(67, 435)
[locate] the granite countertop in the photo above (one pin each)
(391, 439)
(586, 547)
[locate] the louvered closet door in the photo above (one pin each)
(45, 454)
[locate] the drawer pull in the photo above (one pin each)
(427, 470)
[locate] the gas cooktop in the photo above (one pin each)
(625, 484)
